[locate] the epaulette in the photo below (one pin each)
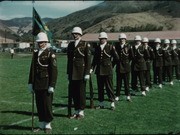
(86, 43)
(50, 49)
(35, 50)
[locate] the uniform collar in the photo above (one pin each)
(77, 42)
(174, 47)
(103, 45)
(41, 50)
(122, 45)
(136, 46)
(166, 47)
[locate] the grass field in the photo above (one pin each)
(157, 113)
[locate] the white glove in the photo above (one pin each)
(30, 88)
(174, 47)
(86, 77)
(146, 47)
(157, 47)
(91, 70)
(51, 89)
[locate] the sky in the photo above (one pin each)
(53, 9)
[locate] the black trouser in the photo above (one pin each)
(167, 72)
(12, 55)
(77, 87)
(44, 105)
(157, 75)
(138, 75)
(147, 76)
(176, 69)
(119, 78)
(107, 81)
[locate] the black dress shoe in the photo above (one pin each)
(99, 107)
(112, 108)
(47, 130)
(79, 116)
(133, 94)
(37, 130)
(73, 116)
(129, 100)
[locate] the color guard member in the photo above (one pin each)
(138, 65)
(123, 66)
(78, 70)
(42, 81)
(149, 56)
(102, 65)
(158, 62)
(175, 59)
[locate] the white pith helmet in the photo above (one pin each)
(157, 40)
(77, 30)
(145, 40)
(103, 35)
(42, 37)
(137, 38)
(166, 41)
(122, 36)
(173, 41)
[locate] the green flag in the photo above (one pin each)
(40, 26)
(37, 23)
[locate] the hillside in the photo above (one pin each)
(6, 34)
(109, 16)
(125, 22)
(17, 29)
(113, 15)
(21, 25)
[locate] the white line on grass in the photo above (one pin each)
(12, 97)
(22, 121)
(9, 102)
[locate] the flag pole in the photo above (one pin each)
(33, 92)
(32, 124)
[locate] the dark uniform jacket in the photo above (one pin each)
(102, 61)
(179, 53)
(138, 61)
(158, 61)
(175, 56)
(149, 56)
(125, 55)
(43, 71)
(79, 60)
(167, 57)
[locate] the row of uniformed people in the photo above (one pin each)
(136, 60)
(166, 62)
(138, 57)
(129, 60)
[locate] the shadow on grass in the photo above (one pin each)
(14, 127)
(20, 112)
(60, 105)
(60, 115)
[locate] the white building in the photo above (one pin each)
(23, 45)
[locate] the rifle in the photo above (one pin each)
(32, 111)
(69, 101)
(32, 68)
(91, 92)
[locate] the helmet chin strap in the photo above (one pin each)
(76, 36)
(42, 46)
